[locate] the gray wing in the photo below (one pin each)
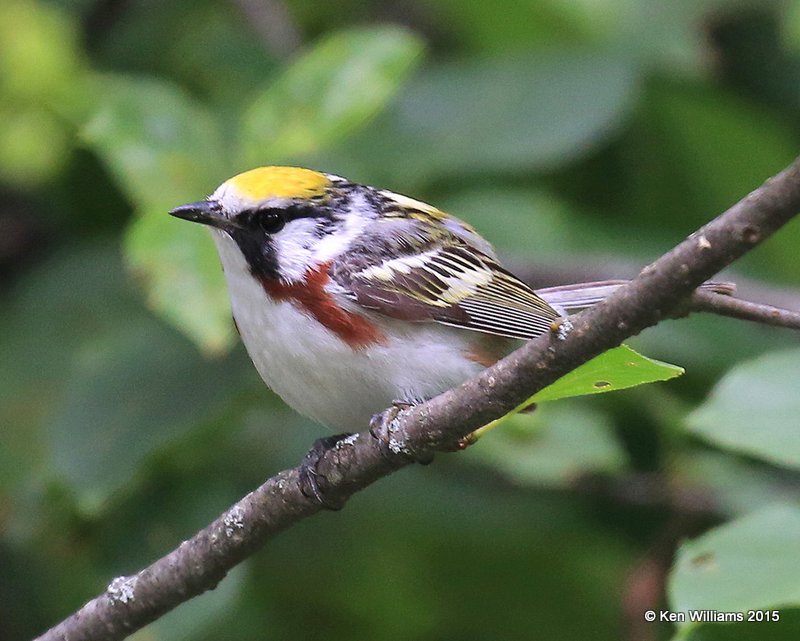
(445, 280)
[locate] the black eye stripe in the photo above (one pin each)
(293, 212)
(255, 217)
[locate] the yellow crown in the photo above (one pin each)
(263, 183)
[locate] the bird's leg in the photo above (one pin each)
(309, 474)
(383, 429)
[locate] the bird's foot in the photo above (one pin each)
(309, 475)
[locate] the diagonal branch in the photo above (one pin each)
(660, 290)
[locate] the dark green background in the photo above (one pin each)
(584, 136)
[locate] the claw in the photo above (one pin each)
(309, 484)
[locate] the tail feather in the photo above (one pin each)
(583, 295)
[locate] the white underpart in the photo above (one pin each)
(322, 377)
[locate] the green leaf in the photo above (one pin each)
(165, 150)
(739, 485)
(616, 369)
(93, 385)
(183, 276)
(328, 93)
(508, 114)
(515, 218)
(791, 27)
(754, 409)
(696, 149)
(786, 629)
(34, 146)
(41, 83)
(71, 297)
(750, 563)
(693, 119)
(161, 146)
(128, 394)
(40, 61)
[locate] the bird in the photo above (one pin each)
(350, 298)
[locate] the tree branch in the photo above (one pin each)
(439, 424)
(703, 301)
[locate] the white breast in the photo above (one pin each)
(322, 377)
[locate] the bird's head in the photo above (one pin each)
(285, 220)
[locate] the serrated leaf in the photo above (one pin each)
(328, 93)
(750, 563)
(616, 369)
(754, 409)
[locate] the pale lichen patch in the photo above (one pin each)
(122, 588)
(234, 520)
(564, 328)
(347, 441)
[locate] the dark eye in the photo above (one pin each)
(270, 220)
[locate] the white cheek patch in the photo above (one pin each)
(295, 248)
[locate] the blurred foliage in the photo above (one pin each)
(758, 392)
(594, 133)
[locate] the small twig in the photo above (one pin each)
(710, 302)
(649, 490)
(439, 424)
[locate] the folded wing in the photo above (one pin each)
(447, 282)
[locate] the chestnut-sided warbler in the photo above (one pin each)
(350, 298)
